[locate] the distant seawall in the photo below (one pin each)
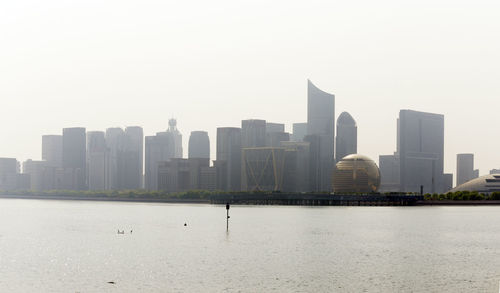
(299, 199)
(101, 198)
(278, 198)
(457, 202)
(319, 199)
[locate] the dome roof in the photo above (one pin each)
(356, 157)
(346, 119)
(356, 173)
(486, 183)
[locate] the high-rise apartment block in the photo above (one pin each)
(114, 146)
(296, 171)
(159, 148)
(74, 157)
(96, 160)
(274, 127)
(10, 179)
(320, 168)
(52, 150)
(130, 176)
(299, 131)
(465, 168)
(274, 139)
(228, 160)
(253, 133)
(389, 173)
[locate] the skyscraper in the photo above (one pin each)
(228, 160)
(96, 160)
(321, 133)
(161, 148)
(114, 145)
(8, 173)
(253, 133)
(320, 111)
(52, 150)
(389, 173)
(421, 151)
(176, 138)
(320, 166)
(274, 139)
(296, 170)
(10, 177)
(158, 149)
(74, 156)
(39, 175)
(465, 168)
(275, 127)
(299, 131)
(131, 158)
(199, 145)
(347, 136)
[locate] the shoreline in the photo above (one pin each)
(210, 201)
(98, 198)
(457, 202)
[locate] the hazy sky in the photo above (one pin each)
(209, 64)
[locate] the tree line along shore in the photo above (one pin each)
(207, 195)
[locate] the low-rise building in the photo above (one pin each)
(178, 175)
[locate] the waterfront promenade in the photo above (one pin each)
(305, 199)
(297, 199)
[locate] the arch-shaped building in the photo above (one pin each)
(487, 184)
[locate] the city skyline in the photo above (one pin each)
(185, 143)
(115, 159)
(142, 66)
(235, 145)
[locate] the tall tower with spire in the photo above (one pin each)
(176, 137)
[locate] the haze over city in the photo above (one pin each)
(209, 65)
(249, 146)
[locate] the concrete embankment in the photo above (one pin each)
(278, 199)
(457, 202)
(97, 198)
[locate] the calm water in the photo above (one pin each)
(72, 246)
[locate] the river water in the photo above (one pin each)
(73, 246)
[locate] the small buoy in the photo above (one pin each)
(130, 231)
(185, 224)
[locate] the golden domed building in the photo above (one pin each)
(356, 173)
